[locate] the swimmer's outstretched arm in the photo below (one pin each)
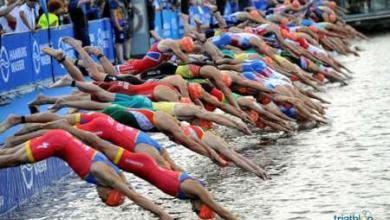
(213, 51)
(192, 187)
(225, 107)
(69, 65)
(219, 119)
(106, 64)
(82, 105)
(170, 126)
(221, 21)
(13, 141)
(251, 84)
(87, 60)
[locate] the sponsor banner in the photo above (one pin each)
(100, 34)
(22, 60)
(41, 67)
(26, 180)
(166, 17)
(15, 60)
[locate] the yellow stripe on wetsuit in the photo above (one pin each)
(77, 118)
(29, 152)
(118, 155)
(168, 107)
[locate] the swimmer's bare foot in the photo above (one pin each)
(56, 54)
(65, 81)
(57, 106)
(9, 122)
(71, 41)
(93, 50)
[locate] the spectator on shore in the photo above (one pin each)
(122, 15)
(8, 14)
(55, 9)
(151, 7)
(28, 14)
(77, 12)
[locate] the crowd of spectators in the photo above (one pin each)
(28, 15)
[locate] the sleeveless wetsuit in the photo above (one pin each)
(146, 89)
(119, 134)
(135, 101)
(146, 168)
(195, 132)
(152, 59)
(141, 119)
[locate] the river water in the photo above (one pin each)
(334, 170)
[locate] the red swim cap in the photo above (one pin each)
(332, 18)
(284, 21)
(260, 124)
(294, 78)
(313, 28)
(187, 44)
(205, 124)
(217, 94)
(265, 100)
(268, 60)
(254, 116)
(255, 14)
(227, 80)
(115, 198)
(296, 4)
(284, 33)
(185, 100)
(332, 5)
(206, 212)
(320, 77)
(195, 90)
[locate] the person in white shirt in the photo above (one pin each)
(28, 13)
(8, 15)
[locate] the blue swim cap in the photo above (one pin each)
(258, 66)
